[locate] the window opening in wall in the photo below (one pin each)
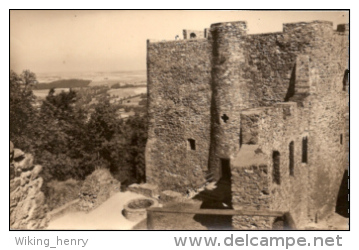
(192, 35)
(240, 138)
(345, 79)
(291, 158)
(305, 150)
(276, 167)
(341, 139)
(225, 118)
(191, 144)
(226, 169)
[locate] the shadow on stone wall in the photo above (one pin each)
(218, 198)
(342, 201)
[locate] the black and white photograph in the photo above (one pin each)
(178, 120)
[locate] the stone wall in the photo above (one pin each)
(310, 191)
(232, 92)
(27, 202)
(179, 95)
(195, 34)
(256, 184)
(327, 131)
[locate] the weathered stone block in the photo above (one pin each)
(145, 189)
(170, 196)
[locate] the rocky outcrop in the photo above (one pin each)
(97, 188)
(27, 202)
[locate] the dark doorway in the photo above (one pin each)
(226, 169)
(280, 223)
(342, 206)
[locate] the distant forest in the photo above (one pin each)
(65, 83)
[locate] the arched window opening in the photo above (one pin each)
(192, 35)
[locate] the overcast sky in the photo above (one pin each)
(77, 41)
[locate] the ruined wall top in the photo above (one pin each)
(241, 26)
(343, 27)
(195, 34)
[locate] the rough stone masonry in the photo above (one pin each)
(264, 111)
(27, 202)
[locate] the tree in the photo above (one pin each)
(68, 142)
(23, 115)
(61, 139)
(136, 130)
(28, 78)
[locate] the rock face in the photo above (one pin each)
(97, 188)
(27, 202)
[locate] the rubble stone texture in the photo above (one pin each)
(27, 202)
(97, 188)
(227, 99)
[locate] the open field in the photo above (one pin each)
(42, 93)
(125, 92)
(132, 101)
(98, 78)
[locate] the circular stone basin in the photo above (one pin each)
(135, 210)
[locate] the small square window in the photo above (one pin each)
(191, 144)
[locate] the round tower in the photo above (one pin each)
(227, 58)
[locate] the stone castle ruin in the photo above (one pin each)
(264, 113)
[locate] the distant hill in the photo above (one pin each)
(66, 83)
